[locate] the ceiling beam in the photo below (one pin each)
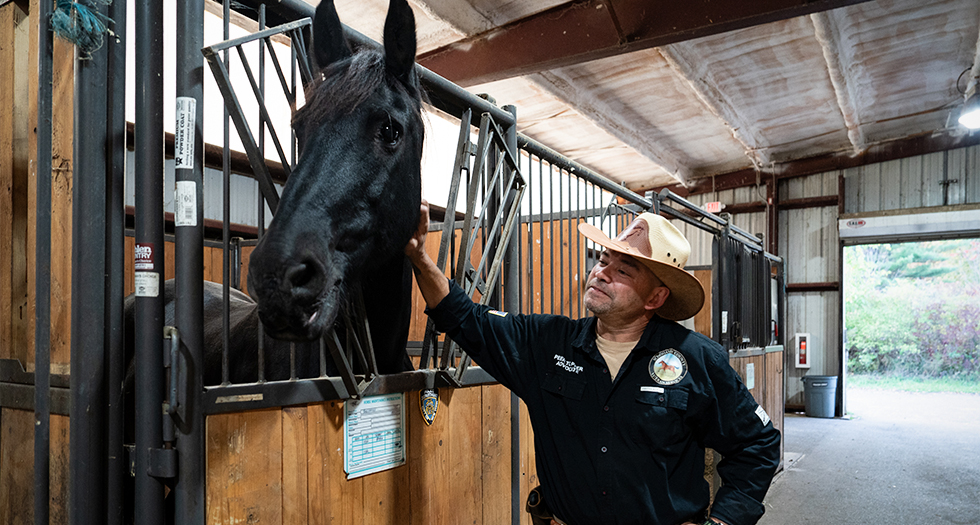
(577, 32)
(647, 140)
(844, 72)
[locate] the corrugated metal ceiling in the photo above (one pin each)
(759, 97)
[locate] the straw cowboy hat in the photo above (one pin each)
(655, 242)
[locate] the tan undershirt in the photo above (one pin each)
(614, 353)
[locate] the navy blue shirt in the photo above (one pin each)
(629, 451)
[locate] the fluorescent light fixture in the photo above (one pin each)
(970, 114)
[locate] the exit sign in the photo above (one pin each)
(713, 207)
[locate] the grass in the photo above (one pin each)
(914, 384)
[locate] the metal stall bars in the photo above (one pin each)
(741, 277)
(504, 174)
(484, 178)
(563, 193)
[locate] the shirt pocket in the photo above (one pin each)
(565, 386)
(658, 419)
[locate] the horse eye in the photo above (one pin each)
(389, 134)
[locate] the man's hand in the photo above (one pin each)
(415, 249)
(431, 281)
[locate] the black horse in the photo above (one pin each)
(352, 202)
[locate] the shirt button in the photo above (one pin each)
(661, 399)
(603, 449)
(603, 493)
(606, 408)
(605, 370)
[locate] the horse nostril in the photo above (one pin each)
(300, 275)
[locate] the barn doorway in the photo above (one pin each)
(911, 317)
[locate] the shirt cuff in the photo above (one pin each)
(734, 507)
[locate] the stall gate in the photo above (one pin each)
(272, 451)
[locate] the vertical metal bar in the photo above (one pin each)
(225, 213)
(260, 213)
(189, 265)
(42, 277)
(551, 238)
(116, 122)
(87, 459)
(149, 242)
(541, 229)
(512, 303)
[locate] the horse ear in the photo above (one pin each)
(399, 39)
(329, 44)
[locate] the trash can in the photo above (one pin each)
(820, 395)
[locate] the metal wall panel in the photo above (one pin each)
(815, 313)
(944, 178)
(244, 194)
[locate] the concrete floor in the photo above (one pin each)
(901, 458)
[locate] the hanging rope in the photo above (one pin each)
(81, 24)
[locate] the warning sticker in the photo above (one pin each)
(147, 284)
(186, 114)
(185, 203)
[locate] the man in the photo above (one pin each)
(622, 404)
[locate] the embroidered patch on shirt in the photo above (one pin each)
(654, 389)
(569, 366)
(498, 313)
(761, 412)
(668, 367)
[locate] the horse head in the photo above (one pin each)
(352, 202)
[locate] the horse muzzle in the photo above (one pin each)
(297, 300)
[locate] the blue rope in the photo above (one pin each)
(81, 24)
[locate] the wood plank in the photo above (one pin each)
(7, 33)
(386, 494)
(129, 266)
(62, 137)
(335, 500)
(430, 462)
(702, 320)
(208, 269)
(23, 329)
(465, 409)
(244, 467)
(294, 466)
(58, 492)
(529, 471)
(246, 254)
(496, 468)
(16, 467)
(774, 393)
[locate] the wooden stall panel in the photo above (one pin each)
(332, 498)
(702, 320)
(295, 493)
(529, 470)
(244, 468)
(758, 378)
(17, 460)
(773, 395)
(555, 267)
(496, 468)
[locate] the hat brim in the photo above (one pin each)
(686, 293)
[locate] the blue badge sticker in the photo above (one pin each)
(429, 404)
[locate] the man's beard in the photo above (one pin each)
(594, 306)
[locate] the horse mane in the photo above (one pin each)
(341, 87)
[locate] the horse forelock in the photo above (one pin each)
(343, 86)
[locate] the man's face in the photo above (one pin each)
(619, 285)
